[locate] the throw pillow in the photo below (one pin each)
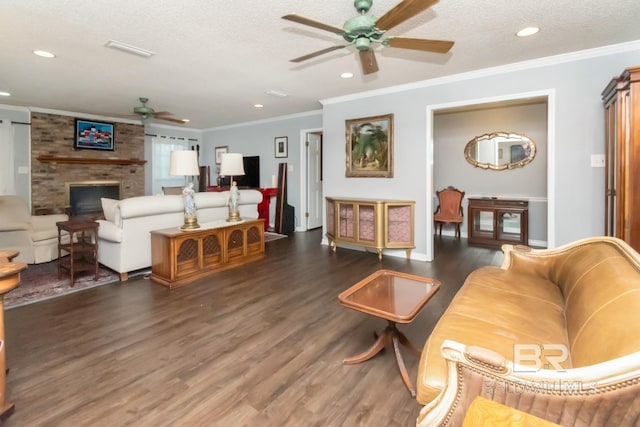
(109, 207)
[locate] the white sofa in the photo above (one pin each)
(124, 242)
(34, 236)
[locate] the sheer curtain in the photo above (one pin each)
(162, 148)
(7, 177)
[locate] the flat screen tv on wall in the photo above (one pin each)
(251, 177)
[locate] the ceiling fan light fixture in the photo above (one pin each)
(363, 44)
(528, 31)
(364, 29)
(113, 44)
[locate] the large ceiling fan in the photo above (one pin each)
(364, 30)
(145, 113)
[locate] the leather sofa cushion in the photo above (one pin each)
(109, 231)
(141, 206)
(109, 208)
(494, 309)
(602, 302)
(211, 199)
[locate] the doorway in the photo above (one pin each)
(311, 196)
(548, 98)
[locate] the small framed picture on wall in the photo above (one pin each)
(219, 151)
(281, 146)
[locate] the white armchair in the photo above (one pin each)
(35, 237)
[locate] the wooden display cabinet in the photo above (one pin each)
(377, 224)
(179, 257)
(493, 222)
(622, 150)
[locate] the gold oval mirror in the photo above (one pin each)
(500, 150)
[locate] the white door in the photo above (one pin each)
(314, 180)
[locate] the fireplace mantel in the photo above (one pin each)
(90, 160)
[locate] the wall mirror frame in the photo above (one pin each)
(500, 151)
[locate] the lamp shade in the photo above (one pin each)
(184, 163)
(231, 164)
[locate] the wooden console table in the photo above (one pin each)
(376, 224)
(179, 257)
(493, 222)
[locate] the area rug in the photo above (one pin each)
(270, 236)
(40, 281)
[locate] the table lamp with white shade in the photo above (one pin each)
(232, 165)
(185, 163)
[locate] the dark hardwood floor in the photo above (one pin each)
(260, 345)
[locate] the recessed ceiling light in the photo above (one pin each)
(346, 75)
(114, 44)
(529, 31)
(5, 94)
(44, 54)
(258, 105)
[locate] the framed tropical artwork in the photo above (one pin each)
(370, 147)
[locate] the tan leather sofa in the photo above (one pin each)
(509, 329)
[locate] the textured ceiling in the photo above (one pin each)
(214, 59)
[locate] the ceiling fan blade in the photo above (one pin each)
(401, 12)
(306, 21)
(317, 53)
(438, 46)
(162, 113)
(170, 119)
(368, 61)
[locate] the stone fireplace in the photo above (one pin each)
(83, 197)
(55, 162)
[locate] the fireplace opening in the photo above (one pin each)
(83, 198)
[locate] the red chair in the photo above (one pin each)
(449, 210)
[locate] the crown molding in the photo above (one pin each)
(492, 71)
(269, 120)
(83, 115)
(14, 108)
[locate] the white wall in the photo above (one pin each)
(257, 139)
(577, 125)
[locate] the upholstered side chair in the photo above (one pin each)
(34, 236)
(449, 210)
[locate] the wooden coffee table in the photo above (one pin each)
(397, 297)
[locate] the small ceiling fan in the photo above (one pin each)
(145, 113)
(364, 30)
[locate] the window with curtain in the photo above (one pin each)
(162, 148)
(7, 160)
